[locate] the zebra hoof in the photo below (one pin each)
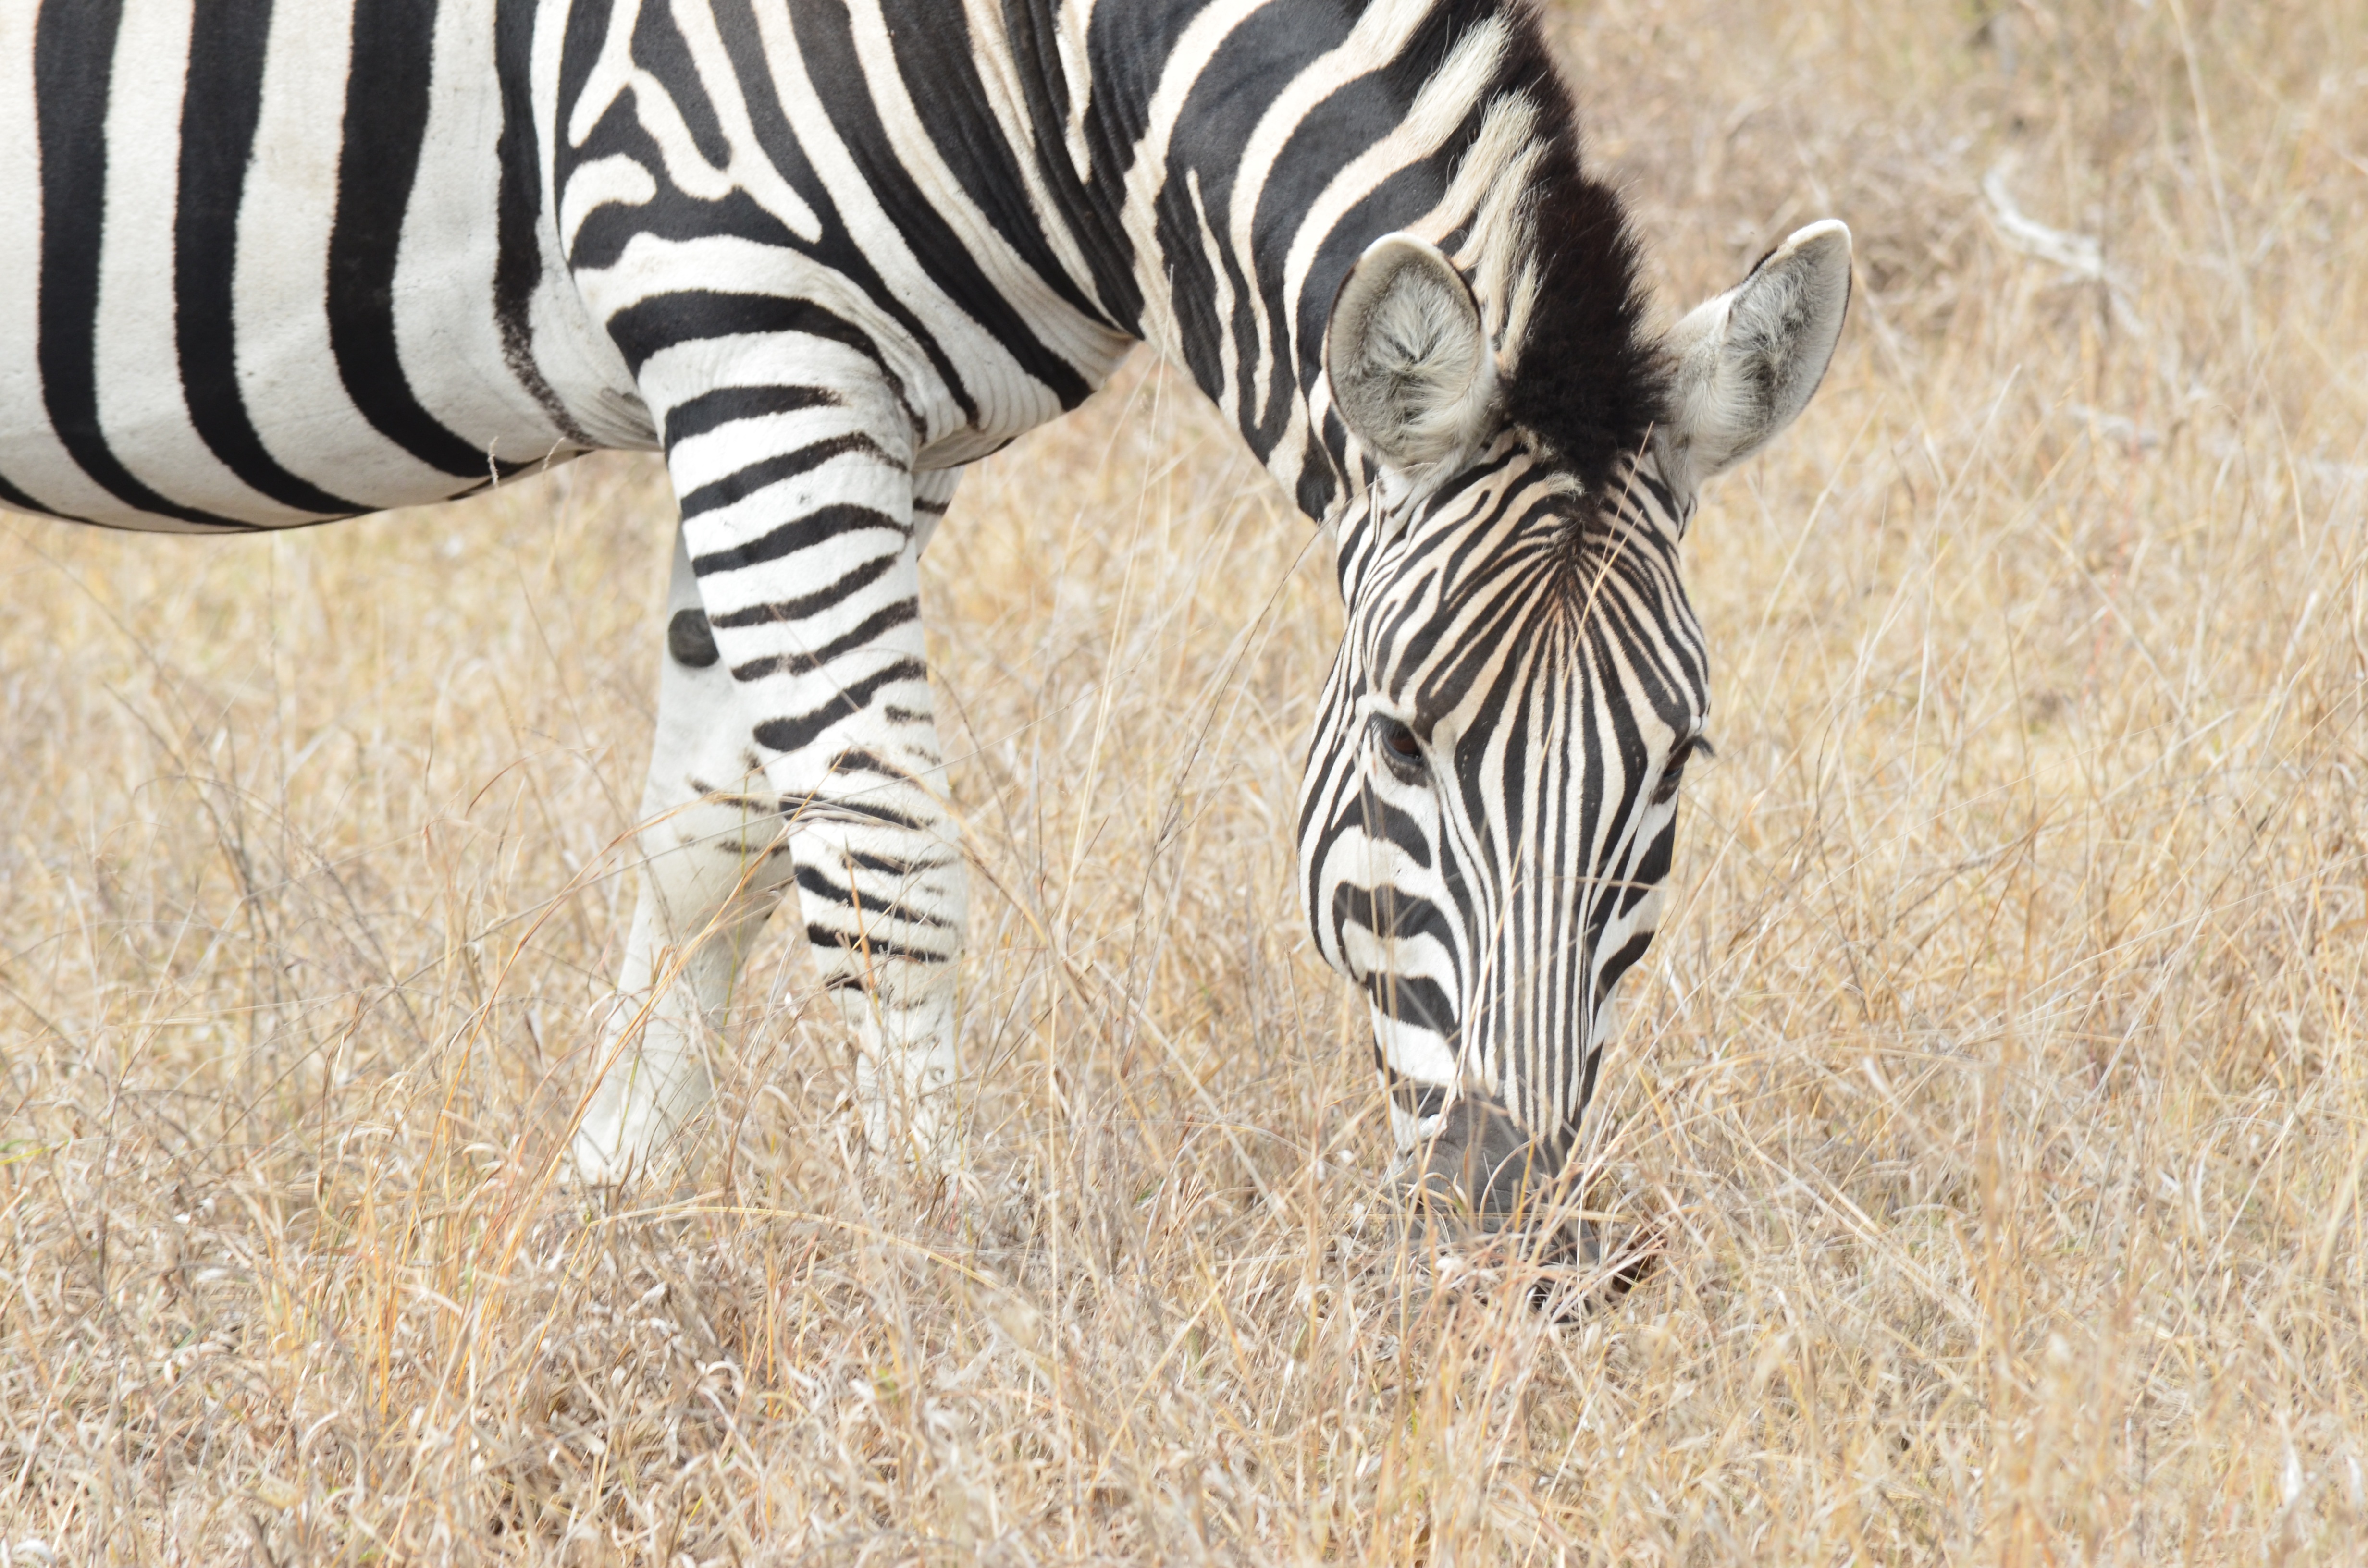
(592, 1168)
(918, 1135)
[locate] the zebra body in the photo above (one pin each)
(398, 314)
(291, 262)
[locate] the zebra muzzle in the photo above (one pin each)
(1489, 1193)
(1483, 1168)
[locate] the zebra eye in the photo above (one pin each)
(1673, 772)
(1400, 749)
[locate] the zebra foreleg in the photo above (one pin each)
(713, 868)
(863, 892)
(882, 886)
(800, 548)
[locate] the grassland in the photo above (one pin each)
(1998, 1077)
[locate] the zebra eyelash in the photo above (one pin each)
(1400, 749)
(1673, 772)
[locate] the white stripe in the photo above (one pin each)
(286, 373)
(31, 456)
(446, 333)
(142, 411)
(1147, 175)
(1380, 34)
(1092, 349)
(580, 361)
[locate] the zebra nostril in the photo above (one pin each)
(690, 639)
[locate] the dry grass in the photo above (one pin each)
(2000, 1063)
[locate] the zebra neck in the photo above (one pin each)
(1262, 145)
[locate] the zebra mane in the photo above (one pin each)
(1588, 376)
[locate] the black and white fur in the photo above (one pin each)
(268, 263)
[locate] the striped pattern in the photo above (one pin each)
(237, 320)
(1492, 889)
(289, 262)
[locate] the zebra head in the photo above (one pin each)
(1491, 799)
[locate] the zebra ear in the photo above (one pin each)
(1749, 360)
(1407, 356)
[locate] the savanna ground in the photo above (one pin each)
(1998, 1077)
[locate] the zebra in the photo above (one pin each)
(274, 264)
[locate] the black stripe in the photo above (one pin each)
(797, 733)
(1413, 999)
(1651, 870)
(867, 946)
(1585, 1087)
(889, 867)
(662, 321)
(73, 60)
(855, 759)
(219, 114)
(1391, 912)
(1619, 963)
(740, 483)
(658, 48)
(518, 266)
(1226, 106)
(938, 60)
(697, 415)
(579, 52)
(1383, 820)
(1663, 497)
(825, 809)
(898, 614)
(1032, 31)
(386, 116)
(799, 608)
(1127, 51)
(812, 879)
(826, 39)
(1319, 475)
(834, 521)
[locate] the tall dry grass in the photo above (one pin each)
(1999, 1074)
